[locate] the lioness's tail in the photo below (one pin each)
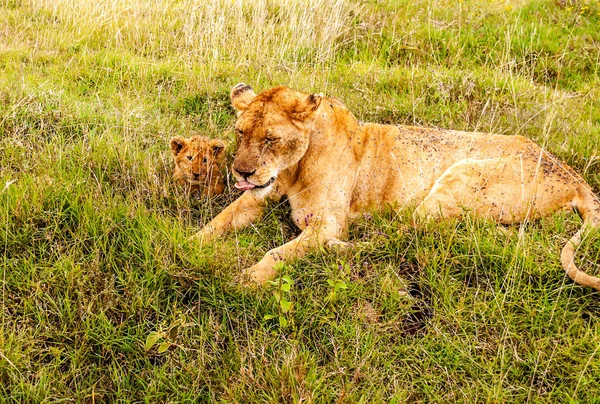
(588, 207)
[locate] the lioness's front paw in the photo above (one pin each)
(203, 237)
(259, 274)
(335, 243)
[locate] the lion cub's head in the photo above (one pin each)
(199, 162)
(272, 132)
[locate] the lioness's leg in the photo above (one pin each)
(312, 236)
(495, 188)
(240, 213)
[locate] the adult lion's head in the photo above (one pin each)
(198, 163)
(272, 132)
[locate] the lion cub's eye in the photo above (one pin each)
(204, 160)
(271, 140)
(190, 158)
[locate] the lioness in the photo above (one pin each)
(312, 150)
(199, 163)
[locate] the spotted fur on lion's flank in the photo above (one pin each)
(332, 168)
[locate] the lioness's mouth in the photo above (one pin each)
(245, 185)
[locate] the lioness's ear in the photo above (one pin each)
(241, 96)
(177, 143)
(218, 147)
(307, 106)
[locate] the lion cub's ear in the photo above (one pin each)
(241, 96)
(177, 143)
(218, 147)
(307, 106)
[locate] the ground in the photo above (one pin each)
(102, 297)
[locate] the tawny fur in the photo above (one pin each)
(313, 151)
(199, 164)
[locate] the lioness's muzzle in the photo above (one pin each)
(245, 185)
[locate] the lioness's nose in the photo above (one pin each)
(244, 174)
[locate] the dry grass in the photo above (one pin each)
(93, 233)
(201, 32)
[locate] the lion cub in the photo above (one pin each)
(199, 164)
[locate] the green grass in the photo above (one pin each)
(93, 234)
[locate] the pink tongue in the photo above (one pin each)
(244, 185)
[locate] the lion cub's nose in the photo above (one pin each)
(196, 175)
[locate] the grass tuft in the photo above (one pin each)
(93, 233)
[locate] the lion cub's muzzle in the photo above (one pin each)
(198, 178)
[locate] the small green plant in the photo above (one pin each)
(337, 287)
(336, 281)
(281, 293)
(167, 337)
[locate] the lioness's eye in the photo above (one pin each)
(271, 139)
(190, 158)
